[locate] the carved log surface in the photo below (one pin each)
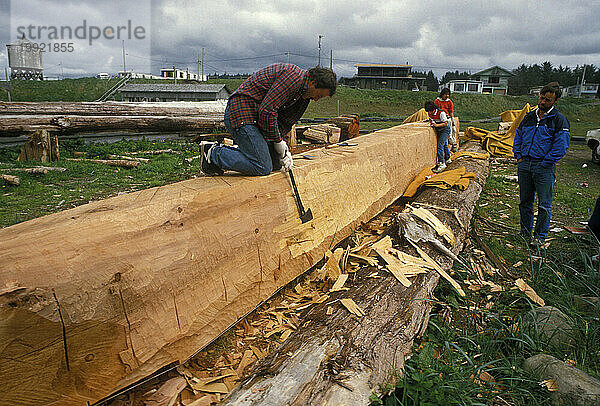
(94, 298)
(331, 354)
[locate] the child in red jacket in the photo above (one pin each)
(444, 103)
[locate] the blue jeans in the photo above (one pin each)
(253, 155)
(443, 153)
(534, 178)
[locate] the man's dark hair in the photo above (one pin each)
(324, 79)
(430, 106)
(552, 87)
(445, 91)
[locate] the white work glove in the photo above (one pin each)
(285, 156)
(287, 162)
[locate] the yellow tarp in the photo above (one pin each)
(500, 144)
(458, 178)
(420, 115)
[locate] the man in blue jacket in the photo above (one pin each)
(540, 141)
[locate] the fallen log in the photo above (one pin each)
(71, 124)
(113, 108)
(109, 292)
(36, 169)
(123, 163)
(11, 179)
(338, 358)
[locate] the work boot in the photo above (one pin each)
(448, 161)
(206, 165)
(440, 167)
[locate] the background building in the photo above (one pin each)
(585, 90)
(25, 60)
(380, 76)
(463, 86)
(495, 79)
(174, 92)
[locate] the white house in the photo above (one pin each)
(464, 86)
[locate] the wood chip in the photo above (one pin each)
(247, 359)
(352, 307)
(214, 387)
(434, 222)
(529, 292)
(286, 334)
(167, 394)
(550, 384)
(438, 268)
(369, 260)
(339, 283)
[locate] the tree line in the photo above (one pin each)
(526, 77)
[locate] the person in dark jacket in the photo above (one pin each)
(260, 113)
(540, 141)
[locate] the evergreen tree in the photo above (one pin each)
(431, 82)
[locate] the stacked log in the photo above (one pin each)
(72, 118)
(349, 125)
(322, 133)
(97, 297)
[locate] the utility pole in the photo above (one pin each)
(175, 74)
(202, 64)
(124, 70)
(331, 59)
(198, 68)
(319, 64)
(62, 72)
(7, 88)
(288, 56)
(582, 81)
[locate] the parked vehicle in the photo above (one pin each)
(592, 138)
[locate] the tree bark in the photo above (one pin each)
(340, 359)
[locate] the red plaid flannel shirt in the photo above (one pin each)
(271, 99)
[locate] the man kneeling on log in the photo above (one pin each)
(260, 113)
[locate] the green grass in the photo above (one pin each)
(83, 182)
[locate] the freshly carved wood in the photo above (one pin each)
(340, 359)
(97, 297)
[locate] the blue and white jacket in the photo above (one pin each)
(546, 140)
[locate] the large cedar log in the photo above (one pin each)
(339, 359)
(97, 297)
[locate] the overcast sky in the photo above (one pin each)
(245, 35)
